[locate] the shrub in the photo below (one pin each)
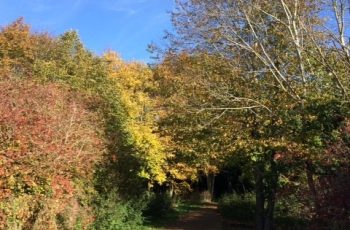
(158, 206)
(49, 144)
(242, 209)
(237, 207)
(114, 214)
(289, 213)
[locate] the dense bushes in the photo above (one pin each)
(241, 210)
(114, 214)
(50, 142)
(238, 207)
(158, 206)
(68, 136)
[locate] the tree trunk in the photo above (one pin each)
(271, 200)
(260, 198)
(210, 185)
(312, 186)
(171, 191)
(270, 211)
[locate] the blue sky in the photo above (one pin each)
(126, 26)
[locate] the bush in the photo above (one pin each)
(289, 214)
(242, 209)
(237, 207)
(158, 206)
(50, 141)
(290, 223)
(113, 214)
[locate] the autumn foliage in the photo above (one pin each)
(254, 92)
(67, 125)
(49, 139)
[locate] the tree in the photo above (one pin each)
(134, 82)
(199, 141)
(276, 81)
(20, 48)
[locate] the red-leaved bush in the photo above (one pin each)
(49, 143)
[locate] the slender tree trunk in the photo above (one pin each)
(171, 191)
(270, 211)
(271, 199)
(312, 186)
(210, 185)
(260, 198)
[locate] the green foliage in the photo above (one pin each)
(289, 212)
(114, 214)
(241, 209)
(278, 103)
(173, 213)
(238, 207)
(159, 205)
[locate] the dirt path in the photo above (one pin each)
(206, 218)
